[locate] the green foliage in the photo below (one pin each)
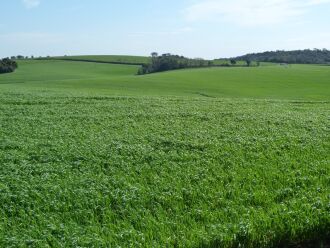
(167, 62)
(307, 56)
(93, 156)
(229, 62)
(82, 171)
(7, 65)
(233, 62)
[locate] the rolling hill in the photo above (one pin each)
(113, 59)
(93, 155)
(297, 82)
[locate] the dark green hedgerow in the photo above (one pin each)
(157, 172)
(7, 65)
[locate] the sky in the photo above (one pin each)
(193, 28)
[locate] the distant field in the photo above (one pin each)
(109, 59)
(134, 59)
(92, 155)
(223, 61)
(297, 82)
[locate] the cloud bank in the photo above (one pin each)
(29, 4)
(249, 12)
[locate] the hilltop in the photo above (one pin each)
(111, 59)
(306, 56)
(298, 82)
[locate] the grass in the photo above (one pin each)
(110, 58)
(218, 62)
(93, 156)
(298, 82)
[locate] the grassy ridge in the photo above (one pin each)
(136, 60)
(93, 155)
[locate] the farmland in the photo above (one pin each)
(93, 155)
(108, 59)
(298, 82)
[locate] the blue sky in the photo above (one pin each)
(194, 28)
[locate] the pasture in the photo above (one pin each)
(297, 82)
(108, 58)
(94, 156)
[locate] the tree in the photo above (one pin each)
(307, 56)
(168, 61)
(233, 62)
(7, 65)
(248, 62)
(154, 54)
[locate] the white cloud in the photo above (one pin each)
(31, 3)
(249, 12)
(163, 33)
(315, 2)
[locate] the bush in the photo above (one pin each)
(7, 65)
(168, 62)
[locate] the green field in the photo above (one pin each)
(92, 155)
(109, 58)
(218, 62)
(297, 82)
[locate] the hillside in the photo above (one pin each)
(93, 155)
(114, 59)
(135, 60)
(304, 82)
(291, 57)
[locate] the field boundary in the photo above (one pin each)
(140, 64)
(94, 61)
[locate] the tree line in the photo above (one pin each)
(7, 65)
(166, 62)
(20, 57)
(307, 56)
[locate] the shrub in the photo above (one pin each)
(7, 65)
(168, 62)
